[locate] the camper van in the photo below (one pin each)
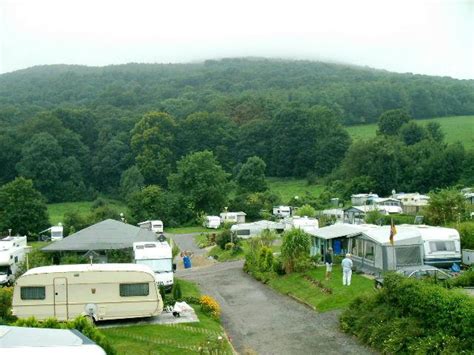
(154, 226)
(212, 222)
(100, 291)
(158, 256)
(12, 253)
(442, 246)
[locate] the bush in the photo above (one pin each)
(466, 279)
(6, 297)
(295, 250)
(229, 246)
(176, 292)
(278, 266)
(81, 323)
(210, 306)
(466, 231)
(223, 238)
(411, 316)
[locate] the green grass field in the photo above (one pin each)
(185, 338)
(456, 128)
(341, 295)
(57, 210)
(289, 188)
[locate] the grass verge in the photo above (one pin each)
(184, 338)
(341, 296)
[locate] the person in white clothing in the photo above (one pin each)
(346, 270)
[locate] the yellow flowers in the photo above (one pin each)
(210, 306)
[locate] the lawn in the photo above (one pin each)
(341, 295)
(57, 210)
(190, 229)
(184, 338)
(289, 188)
(456, 128)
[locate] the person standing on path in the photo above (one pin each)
(328, 262)
(346, 270)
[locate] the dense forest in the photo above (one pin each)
(77, 132)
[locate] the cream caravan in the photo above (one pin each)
(101, 291)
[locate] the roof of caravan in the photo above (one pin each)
(406, 234)
(339, 230)
(88, 267)
(437, 233)
(23, 337)
(240, 213)
(108, 234)
(263, 224)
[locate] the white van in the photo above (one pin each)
(212, 222)
(99, 291)
(12, 253)
(159, 257)
(154, 225)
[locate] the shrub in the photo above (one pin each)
(162, 290)
(176, 292)
(466, 279)
(229, 246)
(466, 230)
(295, 250)
(6, 296)
(306, 210)
(223, 238)
(210, 306)
(265, 259)
(278, 266)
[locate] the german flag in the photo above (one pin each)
(393, 231)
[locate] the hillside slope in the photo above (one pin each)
(243, 89)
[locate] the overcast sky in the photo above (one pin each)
(421, 36)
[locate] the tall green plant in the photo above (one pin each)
(295, 249)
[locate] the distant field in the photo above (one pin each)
(289, 188)
(57, 210)
(456, 128)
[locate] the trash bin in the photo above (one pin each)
(186, 262)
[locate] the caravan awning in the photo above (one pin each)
(339, 230)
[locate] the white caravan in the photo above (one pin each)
(154, 225)
(159, 257)
(12, 253)
(99, 291)
(212, 222)
(442, 246)
(23, 340)
(282, 211)
(56, 232)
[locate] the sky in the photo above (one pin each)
(434, 37)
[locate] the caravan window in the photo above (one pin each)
(33, 293)
(131, 290)
(369, 250)
(243, 232)
(442, 246)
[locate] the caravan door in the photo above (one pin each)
(60, 298)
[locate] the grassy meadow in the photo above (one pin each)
(455, 128)
(289, 188)
(57, 210)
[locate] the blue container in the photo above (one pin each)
(187, 262)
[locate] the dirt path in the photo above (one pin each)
(260, 320)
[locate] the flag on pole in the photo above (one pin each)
(393, 231)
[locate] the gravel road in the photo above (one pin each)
(260, 320)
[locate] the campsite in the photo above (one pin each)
(237, 177)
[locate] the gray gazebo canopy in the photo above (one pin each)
(106, 235)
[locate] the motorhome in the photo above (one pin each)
(442, 246)
(233, 217)
(249, 230)
(12, 253)
(159, 257)
(282, 211)
(154, 225)
(212, 222)
(99, 291)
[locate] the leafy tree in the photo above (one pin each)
(202, 180)
(446, 206)
(306, 210)
(435, 132)
(391, 121)
(131, 181)
(254, 139)
(295, 249)
(255, 204)
(22, 208)
(251, 177)
(412, 133)
(152, 139)
(9, 156)
(74, 221)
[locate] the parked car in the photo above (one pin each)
(418, 272)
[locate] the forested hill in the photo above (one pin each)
(241, 89)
